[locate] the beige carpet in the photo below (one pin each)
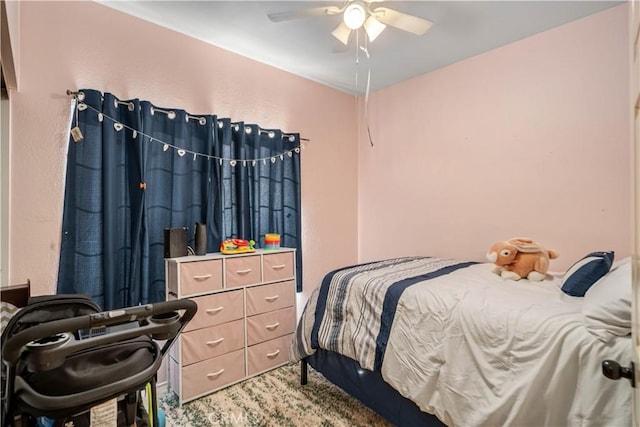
(275, 398)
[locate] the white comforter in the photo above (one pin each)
(476, 350)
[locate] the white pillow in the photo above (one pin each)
(607, 304)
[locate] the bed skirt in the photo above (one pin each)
(369, 388)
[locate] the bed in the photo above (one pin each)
(432, 341)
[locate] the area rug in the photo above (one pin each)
(275, 398)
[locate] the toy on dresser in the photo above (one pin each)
(237, 246)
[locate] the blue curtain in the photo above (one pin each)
(140, 169)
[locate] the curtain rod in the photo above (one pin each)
(76, 93)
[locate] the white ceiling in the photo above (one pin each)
(305, 47)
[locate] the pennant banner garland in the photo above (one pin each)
(182, 152)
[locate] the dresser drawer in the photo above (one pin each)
(200, 276)
(216, 309)
(212, 373)
(261, 299)
(270, 325)
(277, 266)
(210, 342)
(242, 271)
(268, 354)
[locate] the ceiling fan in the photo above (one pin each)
(357, 14)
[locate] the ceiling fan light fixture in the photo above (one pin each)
(355, 15)
(373, 27)
(342, 33)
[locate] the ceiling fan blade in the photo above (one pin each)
(342, 33)
(373, 27)
(303, 13)
(402, 21)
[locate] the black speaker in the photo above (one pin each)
(201, 239)
(175, 242)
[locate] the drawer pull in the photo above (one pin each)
(273, 298)
(279, 267)
(273, 326)
(215, 374)
(214, 310)
(248, 270)
(203, 277)
(274, 354)
(214, 342)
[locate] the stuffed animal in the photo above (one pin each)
(520, 258)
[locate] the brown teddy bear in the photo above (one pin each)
(520, 258)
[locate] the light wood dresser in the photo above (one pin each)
(245, 320)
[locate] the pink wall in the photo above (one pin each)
(71, 45)
(531, 139)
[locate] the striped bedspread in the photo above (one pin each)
(466, 345)
(352, 311)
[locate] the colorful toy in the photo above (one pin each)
(271, 241)
(520, 258)
(237, 246)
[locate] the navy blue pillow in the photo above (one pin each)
(586, 272)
